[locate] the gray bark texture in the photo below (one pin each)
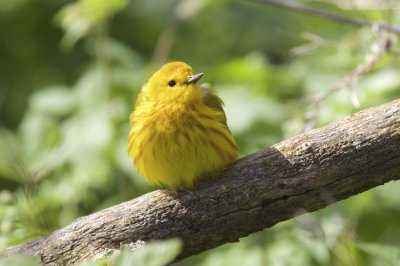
(302, 174)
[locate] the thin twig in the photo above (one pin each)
(330, 15)
(315, 42)
(378, 50)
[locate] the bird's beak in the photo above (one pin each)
(194, 78)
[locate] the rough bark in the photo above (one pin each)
(302, 174)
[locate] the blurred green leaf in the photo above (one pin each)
(154, 253)
(78, 18)
(56, 101)
(9, 155)
(381, 254)
(18, 261)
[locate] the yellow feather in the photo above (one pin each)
(179, 133)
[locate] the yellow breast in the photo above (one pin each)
(176, 145)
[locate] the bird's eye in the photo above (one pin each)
(172, 83)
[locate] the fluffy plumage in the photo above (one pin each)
(179, 133)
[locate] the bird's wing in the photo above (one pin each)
(211, 99)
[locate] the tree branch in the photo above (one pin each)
(293, 6)
(302, 174)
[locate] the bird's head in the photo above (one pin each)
(176, 82)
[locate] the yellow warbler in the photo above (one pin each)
(179, 132)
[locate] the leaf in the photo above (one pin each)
(79, 18)
(243, 108)
(10, 156)
(154, 253)
(56, 100)
(381, 253)
(19, 261)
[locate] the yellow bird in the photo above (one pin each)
(179, 132)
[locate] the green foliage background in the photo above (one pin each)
(69, 75)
